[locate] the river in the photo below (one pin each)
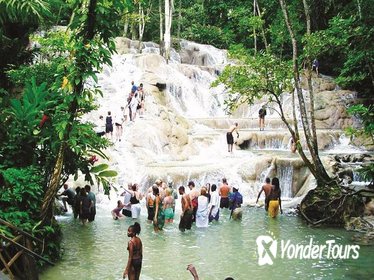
(227, 248)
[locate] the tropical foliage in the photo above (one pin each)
(44, 140)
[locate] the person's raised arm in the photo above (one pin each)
(127, 191)
(193, 271)
(262, 189)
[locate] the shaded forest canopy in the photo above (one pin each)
(341, 30)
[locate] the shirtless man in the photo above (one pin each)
(266, 188)
(230, 138)
(224, 191)
(187, 212)
(194, 194)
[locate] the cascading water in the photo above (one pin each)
(344, 146)
(285, 176)
(182, 134)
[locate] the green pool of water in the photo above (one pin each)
(227, 248)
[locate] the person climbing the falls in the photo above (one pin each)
(275, 202)
(230, 137)
(135, 248)
(109, 125)
(261, 116)
(266, 188)
(315, 66)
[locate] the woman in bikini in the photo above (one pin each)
(135, 248)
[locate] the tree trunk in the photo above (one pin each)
(322, 176)
(142, 21)
(54, 182)
(133, 31)
(254, 28)
(168, 20)
(141, 26)
(262, 29)
(327, 203)
(126, 27)
(309, 79)
(161, 27)
(179, 19)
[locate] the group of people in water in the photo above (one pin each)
(82, 201)
(198, 206)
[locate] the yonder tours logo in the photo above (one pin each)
(269, 249)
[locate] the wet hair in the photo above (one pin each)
(118, 203)
(141, 84)
(214, 187)
(275, 183)
(203, 191)
(135, 228)
(224, 180)
(133, 187)
(87, 188)
(66, 186)
(236, 124)
(181, 188)
(101, 117)
(77, 190)
(229, 278)
(191, 183)
(155, 190)
(83, 192)
(267, 180)
(109, 113)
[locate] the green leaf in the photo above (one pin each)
(108, 173)
(99, 168)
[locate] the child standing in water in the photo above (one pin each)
(135, 248)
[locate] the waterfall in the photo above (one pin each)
(344, 146)
(183, 132)
(285, 176)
